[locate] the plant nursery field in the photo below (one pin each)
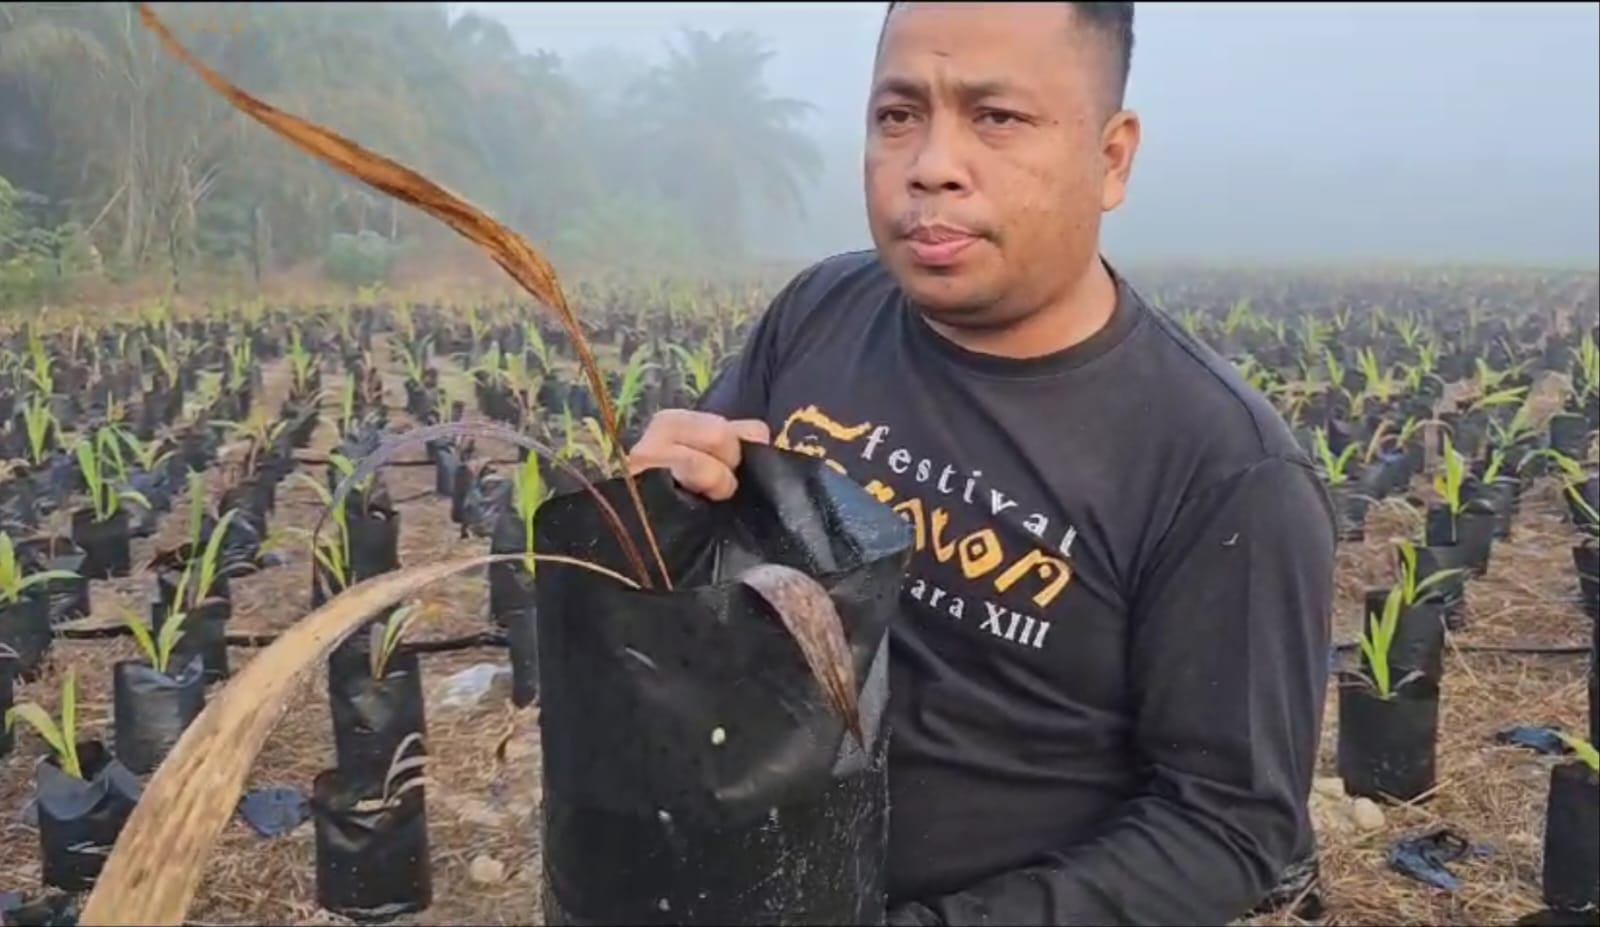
(166, 469)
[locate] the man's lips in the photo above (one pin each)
(938, 245)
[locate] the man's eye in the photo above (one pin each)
(1001, 117)
(894, 116)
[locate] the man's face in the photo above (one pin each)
(989, 157)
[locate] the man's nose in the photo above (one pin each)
(940, 163)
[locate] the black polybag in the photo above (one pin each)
(693, 771)
(80, 819)
(513, 606)
(8, 675)
(25, 628)
(204, 632)
(372, 717)
(68, 597)
(371, 864)
(152, 709)
(374, 538)
(485, 496)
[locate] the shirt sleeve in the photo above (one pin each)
(1228, 661)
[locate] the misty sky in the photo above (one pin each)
(1299, 132)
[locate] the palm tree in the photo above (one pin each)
(716, 134)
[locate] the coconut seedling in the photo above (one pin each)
(539, 347)
(370, 522)
(159, 647)
(512, 599)
(14, 581)
(83, 794)
(24, 616)
(203, 568)
(700, 365)
(1426, 603)
(1412, 588)
(156, 700)
(1335, 467)
(386, 636)
(62, 738)
(1379, 385)
(41, 372)
(1339, 473)
(42, 429)
(1585, 381)
(1497, 399)
(1575, 480)
(101, 528)
(330, 552)
(1388, 727)
(167, 362)
(1519, 429)
(1450, 483)
(1572, 831)
(372, 838)
(632, 386)
(148, 455)
(302, 365)
(1376, 641)
(528, 492)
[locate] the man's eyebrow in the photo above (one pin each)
(897, 86)
(968, 92)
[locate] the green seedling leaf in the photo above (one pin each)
(1586, 751)
(387, 636)
(141, 636)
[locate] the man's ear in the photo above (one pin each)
(1119, 143)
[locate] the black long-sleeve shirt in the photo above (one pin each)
(1108, 676)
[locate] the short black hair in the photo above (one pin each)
(1114, 24)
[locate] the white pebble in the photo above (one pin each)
(486, 870)
(1367, 814)
(718, 737)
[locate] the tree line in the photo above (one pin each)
(116, 159)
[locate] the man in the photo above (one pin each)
(1108, 678)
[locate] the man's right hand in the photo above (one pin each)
(701, 449)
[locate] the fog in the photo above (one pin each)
(1329, 132)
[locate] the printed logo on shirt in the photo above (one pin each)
(979, 554)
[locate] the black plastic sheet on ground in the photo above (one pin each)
(273, 811)
(1426, 857)
(1538, 738)
(693, 772)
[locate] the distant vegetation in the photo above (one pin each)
(117, 163)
